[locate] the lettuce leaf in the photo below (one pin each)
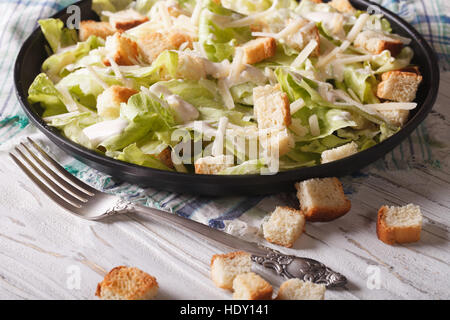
(235, 116)
(306, 6)
(363, 84)
(54, 64)
(247, 167)
(297, 158)
(109, 5)
(385, 62)
(84, 87)
(219, 43)
(247, 6)
(57, 36)
(43, 91)
(133, 154)
(329, 120)
(164, 67)
(144, 6)
(72, 127)
(243, 93)
(198, 93)
(145, 115)
(320, 145)
(304, 88)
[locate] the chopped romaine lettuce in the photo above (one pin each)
(133, 154)
(109, 5)
(144, 114)
(362, 82)
(54, 64)
(58, 37)
(219, 42)
(43, 91)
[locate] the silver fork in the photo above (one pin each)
(85, 202)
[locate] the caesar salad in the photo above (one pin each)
(226, 86)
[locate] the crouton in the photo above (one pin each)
(126, 19)
(259, 49)
(213, 165)
(305, 34)
(165, 157)
(376, 42)
(125, 283)
(94, 28)
(399, 85)
(225, 267)
(322, 199)
(250, 286)
(151, 45)
(339, 152)
(396, 117)
(271, 107)
(399, 224)
(121, 50)
(108, 102)
(284, 226)
(296, 289)
(342, 6)
(277, 142)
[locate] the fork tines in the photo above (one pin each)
(63, 188)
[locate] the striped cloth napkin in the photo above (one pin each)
(238, 215)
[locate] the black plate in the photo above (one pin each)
(32, 55)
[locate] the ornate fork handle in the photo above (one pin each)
(303, 268)
(284, 265)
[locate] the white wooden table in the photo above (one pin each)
(46, 253)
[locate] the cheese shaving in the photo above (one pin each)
(297, 105)
(226, 94)
(217, 148)
(314, 125)
(304, 54)
(393, 106)
(297, 128)
(253, 17)
(115, 67)
(330, 56)
(357, 27)
(61, 116)
(97, 77)
(236, 66)
(196, 13)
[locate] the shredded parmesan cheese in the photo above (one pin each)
(297, 105)
(314, 125)
(304, 54)
(253, 17)
(196, 13)
(217, 148)
(97, 77)
(393, 106)
(236, 66)
(353, 59)
(115, 67)
(297, 128)
(61, 116)
(357, 27)
(70, 104)
(326, 59)
(353, 94)
(226, 94)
